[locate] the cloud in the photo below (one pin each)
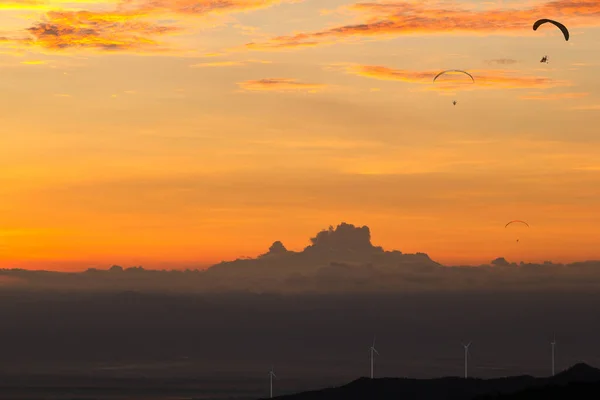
(340, 259)
(122, 29)
(502, 61)
(203, 7)
(34, 62)
(108, 31)
(422, 17)
(280, 85)
(555, 96)
(228, 63)
(218, 64)
(484, 79)
(588, 107)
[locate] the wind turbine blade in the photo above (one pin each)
(375, 351)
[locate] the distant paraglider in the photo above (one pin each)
(454, 70)
(560, 26)
(517, 221)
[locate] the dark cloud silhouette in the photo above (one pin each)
(337, 260)
(277, 248)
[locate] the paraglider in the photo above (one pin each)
(560, 26)
(515, 222)
(454, 70)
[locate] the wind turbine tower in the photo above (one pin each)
(271, 376)
(466, 346)
(553, 343)
(373, 352)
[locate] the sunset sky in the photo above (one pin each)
(179, 133)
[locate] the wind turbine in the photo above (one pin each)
(373, 350)
(553, 343)
(271, 376)
(466, 357)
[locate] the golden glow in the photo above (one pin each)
(179, 133)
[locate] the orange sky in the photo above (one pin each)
(174, 133)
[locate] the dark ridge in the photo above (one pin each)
(454, 388)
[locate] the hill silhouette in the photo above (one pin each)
(337, 260)
(576, 391)
(454, 388)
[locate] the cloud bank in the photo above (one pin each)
(337, 260)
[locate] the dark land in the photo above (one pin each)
(579, 382)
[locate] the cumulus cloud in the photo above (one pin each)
(280, 85)
(340, 259)
(423, 17)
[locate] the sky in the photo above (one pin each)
(179, 133)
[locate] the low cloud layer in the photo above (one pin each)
(338, 260)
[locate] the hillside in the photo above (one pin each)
(453, 388)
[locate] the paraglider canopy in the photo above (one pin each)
(560, 26)
(516, 221)
(454, 70)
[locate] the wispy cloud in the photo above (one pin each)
(202, 7)
(126, 28)
(34, 62)
(228, 63)
(280, 85)
(484, 79)
(588, 107)
(554, 96)
(502, 61)
(218, 64)
(427, 16)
